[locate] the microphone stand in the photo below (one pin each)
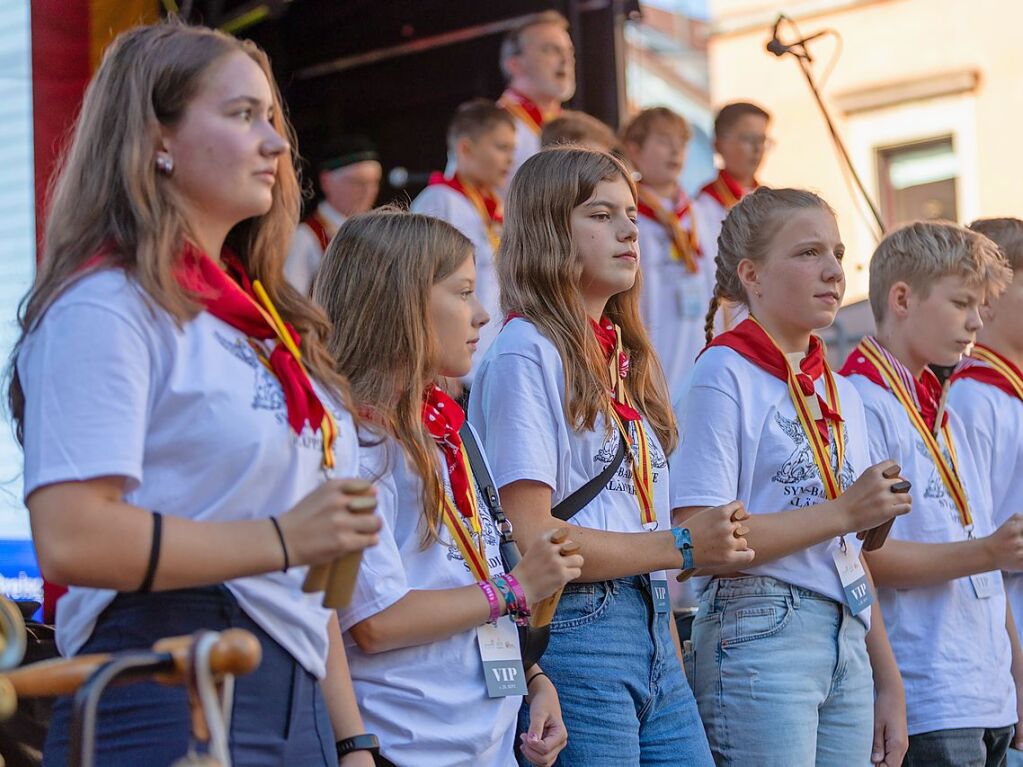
(802, 56)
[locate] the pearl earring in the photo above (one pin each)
(164, 164)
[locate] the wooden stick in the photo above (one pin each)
(236, 652)
(318, 578)
(542, 613)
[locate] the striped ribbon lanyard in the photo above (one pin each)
(984, 354)
(474, 553)
(818, 444)
(949, 470)
(475, 197)
(637, 443)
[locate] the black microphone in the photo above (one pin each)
(776, 46)
(401, 177)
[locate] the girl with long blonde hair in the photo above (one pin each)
(573, 410)
(177, 409)
(434, 592)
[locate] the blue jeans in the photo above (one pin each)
(965, 747)
(623, 695)
(781, 676)
(279, 716)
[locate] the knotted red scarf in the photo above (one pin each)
(752, 342)
(442, 418)
(234, 302)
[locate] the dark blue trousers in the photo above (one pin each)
(279, 717)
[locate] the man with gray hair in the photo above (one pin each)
(538, 61)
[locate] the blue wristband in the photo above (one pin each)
(684, 543)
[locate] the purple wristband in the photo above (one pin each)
(491, 594)
(521, 606)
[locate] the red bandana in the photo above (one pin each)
(726, 190)
(926, 391)
(982, 371)
(442, 418)
(491, 203)
(235, 303)
(523, 107)
(752, 342)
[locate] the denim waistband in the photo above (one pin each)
(760, 586)
(638, 582)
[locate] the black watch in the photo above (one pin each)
(364, 742)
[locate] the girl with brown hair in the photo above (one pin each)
(177, 408)
(573, 410)
(434, 593)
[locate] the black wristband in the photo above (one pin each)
(284, 546)
(530, 680)
(154, 554)
(364, 742)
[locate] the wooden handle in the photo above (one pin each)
(316, 579)
(874, 538)
(542, 613)
(236, 652)
(319, 576)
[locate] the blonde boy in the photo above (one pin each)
(987, 393)
(677, 278)
(938, 575)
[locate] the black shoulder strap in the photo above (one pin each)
(479, 469)
(571, 505)
(509, 549)
(565, 510)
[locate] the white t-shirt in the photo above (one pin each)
(194, 422)
(674, 300)
(709, 214)
(428, 704)
(305, 251)
(517, 406)
(951, 647)
(994, 423)
(449, 205)
(527, 143)
(740, 438)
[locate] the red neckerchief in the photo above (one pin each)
(492, 203)
(318, 227)
(979, 370)
(604, 332)
(527, 105)
(752, 342)
(726, 190)
(442, 418)
(233, 301)
(926, 390)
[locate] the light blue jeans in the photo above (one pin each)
(781, 675)
(623, 695)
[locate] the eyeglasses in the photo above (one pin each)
(753, 141)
